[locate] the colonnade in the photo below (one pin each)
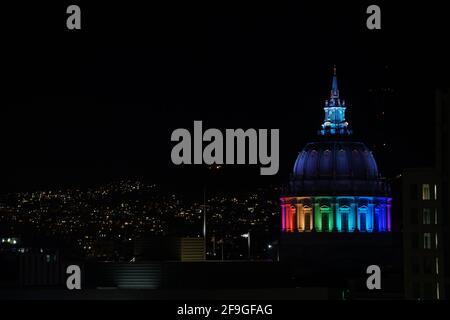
(336, 213)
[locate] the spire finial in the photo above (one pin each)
(334, 85)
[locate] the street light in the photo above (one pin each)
(247, 235)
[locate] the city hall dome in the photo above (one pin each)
(335, 164)
(336, 160)
(335, 185)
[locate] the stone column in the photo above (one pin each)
(357, 221)
(283, 217)
(300, 217)
(311, 220)
(317, 217)
(370, 209)
(338, 216)
(388, 213)
(352, 219)
(289, 217)
(383, 217)
(331, 216)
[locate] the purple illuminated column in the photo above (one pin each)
(283, 217)
(389, 215)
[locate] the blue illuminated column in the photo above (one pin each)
(370, 216)
(338, 216)
(357, 214)
(389, 215)
(383, 217)
(352, 217)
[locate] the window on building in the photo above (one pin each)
(435, 192)
(426, 218)
(426, 192)
(428, 291)
(437, 265)
(416, 290)
(427, 240)
(415, 265)
(308, 222)
(415, 240)
(436, 240)
(438, 294)
(435, 216)
(428, 265)
(414, 216)
(413, 191)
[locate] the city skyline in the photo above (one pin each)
(126, 151)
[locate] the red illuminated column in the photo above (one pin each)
(290, 218)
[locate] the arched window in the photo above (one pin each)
(379, 222)
(342, 163)
(326, 216)
(325, 163)
(308, 218)
(358, 166)
(311, 167)
(343, 214)
(362, 218)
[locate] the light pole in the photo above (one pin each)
(221, 246)
(204, 223)
(247, 235)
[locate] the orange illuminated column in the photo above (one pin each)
(300, 217)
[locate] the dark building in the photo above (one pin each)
(169, 248)
(442, 163)
(422, 234)
(426, 215)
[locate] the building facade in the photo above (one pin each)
(422, 234)
(442, 164)
(426, 216)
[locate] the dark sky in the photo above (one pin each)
(84, 107)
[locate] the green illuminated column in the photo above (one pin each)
(331, 215)
(317, 218)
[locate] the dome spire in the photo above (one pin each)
(334, 122)
(334, 86)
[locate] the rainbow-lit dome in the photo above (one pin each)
(335, 184)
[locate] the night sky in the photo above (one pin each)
(79, 108)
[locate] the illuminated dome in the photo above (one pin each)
(335, 160)
(336, 167)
